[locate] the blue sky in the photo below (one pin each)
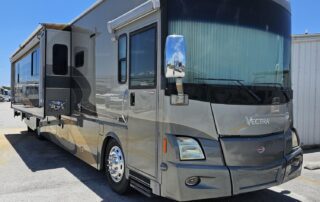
(19, 18)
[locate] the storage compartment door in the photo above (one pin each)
(57, 70)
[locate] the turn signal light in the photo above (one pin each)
(164, 145)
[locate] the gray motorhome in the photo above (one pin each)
(185, 99)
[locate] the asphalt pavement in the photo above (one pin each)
(35, 170)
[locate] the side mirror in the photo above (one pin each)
(175, 53)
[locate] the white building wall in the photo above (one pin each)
(306, 87)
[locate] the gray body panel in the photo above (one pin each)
(57, 87)
(243, 151)
(251, 120)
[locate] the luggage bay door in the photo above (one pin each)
(57, 72)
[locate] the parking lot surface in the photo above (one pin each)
(34, 170)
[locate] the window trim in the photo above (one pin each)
(32, 62)
(141, 30)
(120, 60)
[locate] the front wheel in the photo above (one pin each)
(115, 167)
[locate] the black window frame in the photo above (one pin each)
(120, 60)
(66, 70)
(139, 31)
(32, 62)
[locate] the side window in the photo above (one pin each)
(122, 59)
(60, 59)
(143, 59)
(79, 59)
(33, 56)
(35, 63)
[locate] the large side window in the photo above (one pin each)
(60, 59)
(122, 59)
(143, 58)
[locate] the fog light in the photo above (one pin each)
(192, 181)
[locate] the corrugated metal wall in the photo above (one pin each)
(306, 87)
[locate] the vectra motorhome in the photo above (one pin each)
(185, 99)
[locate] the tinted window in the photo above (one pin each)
(122, 60)
(143, 59)
(79, 59)
(35, 64)
(60, 59)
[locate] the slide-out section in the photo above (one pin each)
(41, 73)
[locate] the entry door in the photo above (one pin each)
(142, 126)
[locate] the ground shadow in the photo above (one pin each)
(44, 155)
(312, 150)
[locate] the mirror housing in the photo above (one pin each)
(175, 58)
(175, 53)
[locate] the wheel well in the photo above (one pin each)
(103, 151)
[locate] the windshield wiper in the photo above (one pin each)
(239, 82)
(282, 89)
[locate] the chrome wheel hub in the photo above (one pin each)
(116, 164)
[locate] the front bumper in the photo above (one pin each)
(293, 165)
(223, 181)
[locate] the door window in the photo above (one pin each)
(143, 58)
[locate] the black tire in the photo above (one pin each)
(122, 186)
(30, 130)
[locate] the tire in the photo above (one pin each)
(116, 171)
(30, 130)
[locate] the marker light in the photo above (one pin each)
(295, 139)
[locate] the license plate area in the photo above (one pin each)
(252, 179)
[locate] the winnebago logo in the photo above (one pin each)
(260, 121)
(261, 149)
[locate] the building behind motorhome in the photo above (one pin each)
(306, 83)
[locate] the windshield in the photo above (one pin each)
(233, 41)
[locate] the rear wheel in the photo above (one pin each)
(30, 130)
(115, 167)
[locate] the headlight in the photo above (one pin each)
(295, 139)
(189, 149)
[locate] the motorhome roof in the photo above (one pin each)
(284, 3)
